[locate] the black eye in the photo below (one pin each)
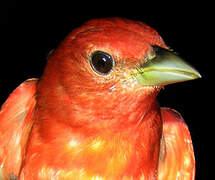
(101, 62)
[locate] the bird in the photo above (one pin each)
(93, 114)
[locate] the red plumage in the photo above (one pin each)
(74, 123)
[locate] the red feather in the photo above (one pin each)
(76, 124)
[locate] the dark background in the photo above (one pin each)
(29, 30)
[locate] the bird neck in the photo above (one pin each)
(95, 113)
(129, 132)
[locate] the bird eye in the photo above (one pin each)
(101, 62)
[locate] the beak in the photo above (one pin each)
(164, 67)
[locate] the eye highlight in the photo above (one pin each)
(101, 62)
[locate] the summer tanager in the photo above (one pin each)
(94, 115)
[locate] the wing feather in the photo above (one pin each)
(177, 156)
(15, 126)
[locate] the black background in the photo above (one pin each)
(29, 30)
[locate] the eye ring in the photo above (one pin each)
(102, 62)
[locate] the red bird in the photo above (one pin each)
(94, 115)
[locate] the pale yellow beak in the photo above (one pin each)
(164, 68)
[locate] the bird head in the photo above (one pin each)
(111, 70)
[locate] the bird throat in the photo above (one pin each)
(128, 144)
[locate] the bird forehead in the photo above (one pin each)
(120, 42)
(125, 39)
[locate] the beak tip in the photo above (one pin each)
(195, 74)
(199, 76)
